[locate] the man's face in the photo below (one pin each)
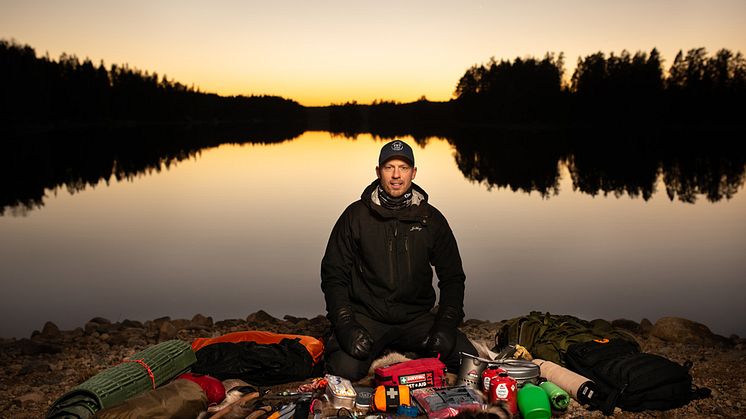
(396, 176)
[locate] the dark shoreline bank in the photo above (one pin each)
(36, 371)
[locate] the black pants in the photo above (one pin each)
(407, 337)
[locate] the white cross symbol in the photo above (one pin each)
(392, 393)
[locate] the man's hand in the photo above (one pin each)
(440, 340)
(442, 337)
(352, 337)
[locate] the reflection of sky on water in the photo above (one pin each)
(243, 228)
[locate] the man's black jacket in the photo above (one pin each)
(379, 261)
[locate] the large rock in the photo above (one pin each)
(229, 323)
(29, 399)
(155, 324)
(30, 347)
(199, 321)
(676, 329)
(167, 331)
(101, 326)
(646, 326)
(626, 324)
(180, 324)
(131, 324)
(50, 331)
(91, 327)
(293, 319)
(318, 326)
(261, 316)
(131, 336)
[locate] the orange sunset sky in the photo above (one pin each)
(322, 52)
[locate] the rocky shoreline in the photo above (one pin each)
(34, 372)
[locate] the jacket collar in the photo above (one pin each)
(413, 212)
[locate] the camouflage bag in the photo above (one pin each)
(547, 336)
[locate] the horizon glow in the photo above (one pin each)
(334, 51)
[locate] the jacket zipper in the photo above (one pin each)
(392, 255)
(408, 256)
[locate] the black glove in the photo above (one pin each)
(352, 337)
(442, 337)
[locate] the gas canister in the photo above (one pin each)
(504, 389)
(491, 372)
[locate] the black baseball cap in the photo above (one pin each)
(396, 148)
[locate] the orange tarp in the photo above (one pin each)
(314, 346)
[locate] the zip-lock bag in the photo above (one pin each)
(416, 373)
(443, 403)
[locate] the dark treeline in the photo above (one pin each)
(385, 118)
(525, 90)
(697, 89)
(30, 167)
(38, 91)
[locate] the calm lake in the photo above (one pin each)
(240, 227)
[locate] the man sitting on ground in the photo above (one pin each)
(377, 274)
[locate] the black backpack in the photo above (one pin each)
(632, 380)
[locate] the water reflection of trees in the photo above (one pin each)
(614, 162)
(519, 160)
(76, 160)
(688, 163)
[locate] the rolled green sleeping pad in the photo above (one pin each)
(558, 398)
(114, 385)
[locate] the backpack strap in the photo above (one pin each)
(699, 393)
(607, 405)
(530, 332)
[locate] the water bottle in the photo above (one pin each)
(558, 398)
(533, 402)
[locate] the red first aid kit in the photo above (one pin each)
(416, 373)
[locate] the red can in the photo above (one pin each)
(504, 389)
(491, 372)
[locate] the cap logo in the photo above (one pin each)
(397, 146)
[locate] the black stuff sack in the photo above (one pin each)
(629, 379)
(259, 364)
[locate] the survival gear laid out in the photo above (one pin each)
(416, 373)
(630, 379)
